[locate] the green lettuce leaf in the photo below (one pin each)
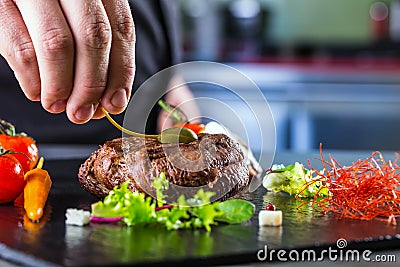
(196, 212)
(235, 211)
(121, 202)
(295, 180)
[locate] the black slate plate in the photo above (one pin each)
(52, 242)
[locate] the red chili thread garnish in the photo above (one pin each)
(368, 189)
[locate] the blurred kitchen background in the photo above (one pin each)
(330, 69)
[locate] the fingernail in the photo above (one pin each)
(58, 106)
(37, 98)
(84, 113)
(118, 100)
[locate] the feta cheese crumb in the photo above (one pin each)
(77, 217)
(270, 218)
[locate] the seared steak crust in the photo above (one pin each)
(214, 162)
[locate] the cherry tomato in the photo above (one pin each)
(11, 178)
(195, 127)
(23, 144)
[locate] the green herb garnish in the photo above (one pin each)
(134, 207)
(177, 115)
(235, 211)
(196, 212)
(293, 179)
(160, 184)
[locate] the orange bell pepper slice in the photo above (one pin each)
(36, 191)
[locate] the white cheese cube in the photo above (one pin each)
(77, 217)
(270, 218)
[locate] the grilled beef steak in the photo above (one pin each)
(214, 162)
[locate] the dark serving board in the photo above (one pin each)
(53, 243)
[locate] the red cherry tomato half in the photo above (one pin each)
(195, 127)
(23, 144)
(11, 178)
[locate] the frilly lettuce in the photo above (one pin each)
(134, 207)
(295, 180)
(192, 213)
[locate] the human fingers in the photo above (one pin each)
(92, 34)
(121, 70)
(54, 47)
(17, 48)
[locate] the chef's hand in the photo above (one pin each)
(69, 54)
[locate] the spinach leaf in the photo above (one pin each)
(235, 211)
